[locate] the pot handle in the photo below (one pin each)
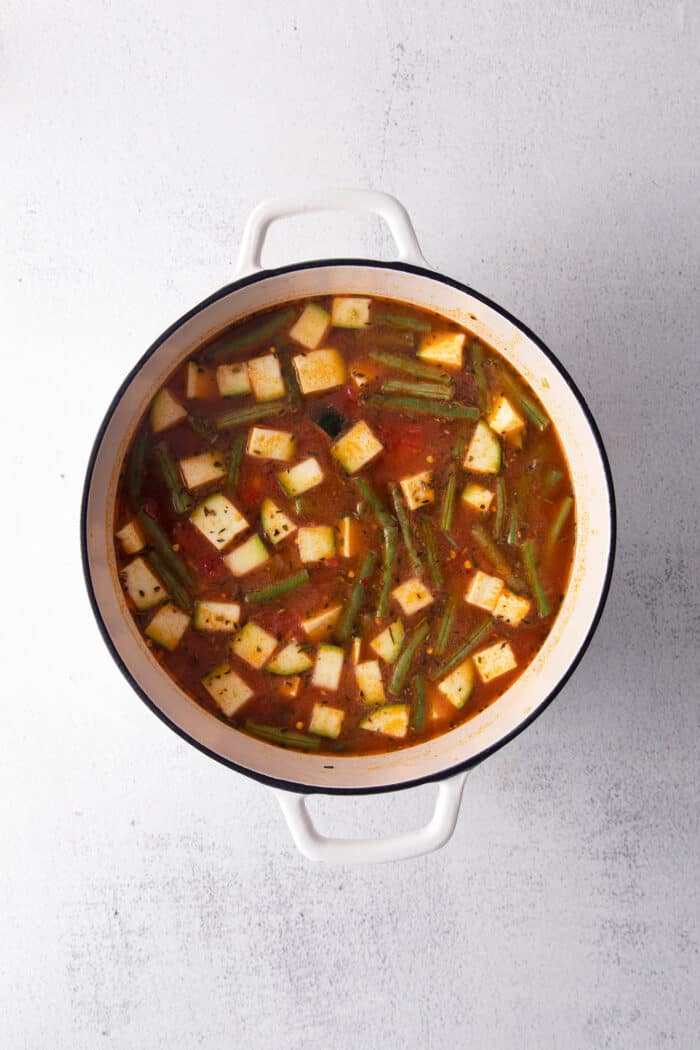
(382, 204)
(430, 837)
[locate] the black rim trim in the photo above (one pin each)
(443, 774)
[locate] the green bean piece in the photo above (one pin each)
(385, 338)
(559, 522)
(385, 519)
(391, 543)
(177, 591)
(529, 407)
(480, 377)
(234, 463)
(405, 525)
(439, 391)
(136, 466)
(512, 536)
(430, 544)
(416, 406)
(553, 478)
(202, 426)
(276, 590)
(447, 507)
(492, 552)
(160, 540)
(285, 737)
(452, 541)
(251, 414)
(357, 596)
(446, 625)
(501, 500)
(468, 646)
(530, 563)
(409, 365)
(181, 499)
(403, 664)
(418, 714)
(400, 321)
(253, 337)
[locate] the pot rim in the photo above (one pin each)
(442, 774)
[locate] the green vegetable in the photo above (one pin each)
(386, 338)
(391, 542)
(177, 591)
(530, 563)
(234, 463)
(512, 536)
(501, 500)
(480, 377)
(554, 476)
(136, 467)
(430, 544)
(385, 519)
(419, 707)
(251, 414)
(440, 391)
(446, 624)
(465, 648)
(418, 407)
(276, 590)
(285, 737)
(403, 664)
(357, 597)
(559, 522)
(181, 499)
(409, 365)
(529, 407)
(448, 499)
(399, 321)
(405, 524)
(202, 426)
(162, 544)
(492, 552)
(251, 338)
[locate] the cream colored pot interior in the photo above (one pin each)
(565, 640)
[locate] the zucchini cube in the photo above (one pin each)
(267, 443)
(311, 326)
(226, 688)
(412, 596)
(387, 645)
(511, 608)
(292, 660)
(319, 370)
(131, 537)
(391, 720)
(142, 585)
(254, 645)
(504, 420)
(321, 624)
(495, 660)
(326, 721)
(218, 520)
(316, 542)
(200, 382)
(418, 489)
(202, 469)
(249, 556)
(348, 535)
(369, 682)
(166, 411)
(168, 626)
(477, 498)
(216, 616)
(484, 590)
(301, 477)
(233, 380)
(276, 525)
(443, 348)
(265, 377)
(328, 667)
(483, 456)
(350, 312)
(357, 447)
(458, 685)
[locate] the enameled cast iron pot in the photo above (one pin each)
(447, 758)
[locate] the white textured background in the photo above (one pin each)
(548, 153)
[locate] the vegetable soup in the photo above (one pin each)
(345, 525)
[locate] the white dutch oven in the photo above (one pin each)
(447, 758)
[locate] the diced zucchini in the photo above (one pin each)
(443, 348)
(233, 380)
(270, 444)
(387, 645)
(328, 667)
(458, 685)
(168, 626)
(357, 447)
(247, 557)
(484, 452)
(216, 616)
(412, 596)
(289, 687)
(349, 312)
(369, 681)
(253, 644)
(166, 411)
(477, 497)
(226, 688)
(418, 489)
(276, 525)
(200, 382)
(504, 420)
(511, 608)
(131, 537)
(495, 660)
(142, 585)
(321, 624)
(319, 370)
(316, 542)
(218, 520)
(202, 469)
(484, 590)
(391, 720)
(311, 326)
(266, 377)
(326, 721)
(301, 477)
(290, 660)
(348, 536)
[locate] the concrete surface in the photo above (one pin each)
(549, 156)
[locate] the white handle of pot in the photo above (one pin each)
(430, 837)
(382, 204)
